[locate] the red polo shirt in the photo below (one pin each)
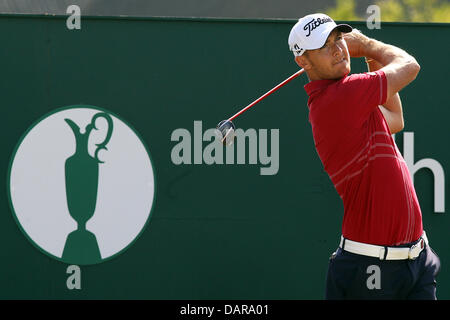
(357, 151)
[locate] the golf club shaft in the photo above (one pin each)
(268, 93)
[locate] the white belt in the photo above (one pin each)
(385, 253)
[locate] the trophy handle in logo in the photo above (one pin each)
(81, 175)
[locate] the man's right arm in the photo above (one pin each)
(400, 68)
(392, 109)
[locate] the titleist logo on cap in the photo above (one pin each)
(310, 26)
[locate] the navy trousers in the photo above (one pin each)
(352, 276)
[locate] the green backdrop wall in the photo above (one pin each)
(216, 231)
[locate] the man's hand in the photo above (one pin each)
(356, 43)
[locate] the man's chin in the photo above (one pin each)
(345, 71)
(342, 74)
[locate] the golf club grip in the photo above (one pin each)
(268, 93)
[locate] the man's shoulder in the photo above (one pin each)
(362, 75)
(358, 81)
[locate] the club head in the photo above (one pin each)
(225, 132)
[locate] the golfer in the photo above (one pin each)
(384, 252)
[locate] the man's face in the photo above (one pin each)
(332, 61)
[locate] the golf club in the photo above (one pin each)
(226, 127)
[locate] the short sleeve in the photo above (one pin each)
(360, 94)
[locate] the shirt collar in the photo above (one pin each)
(319, 85)
(312, 86)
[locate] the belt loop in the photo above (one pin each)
(343, 243)
(384, 255)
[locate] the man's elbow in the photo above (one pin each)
(401, 125)
(398, 126)
(415, 68)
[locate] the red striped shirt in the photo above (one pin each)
(362, 160)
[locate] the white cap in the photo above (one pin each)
(311, 32)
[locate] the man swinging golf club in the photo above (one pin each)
(383, 252)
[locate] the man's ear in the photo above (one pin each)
(303, 62)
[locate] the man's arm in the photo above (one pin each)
(392, 109)
(399, 67)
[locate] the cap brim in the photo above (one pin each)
(344, 28)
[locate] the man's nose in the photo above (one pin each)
(337, 50)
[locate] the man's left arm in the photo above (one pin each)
(392, 109)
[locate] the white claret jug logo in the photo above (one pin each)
(81, 185)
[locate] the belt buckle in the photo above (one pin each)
(415, 250)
